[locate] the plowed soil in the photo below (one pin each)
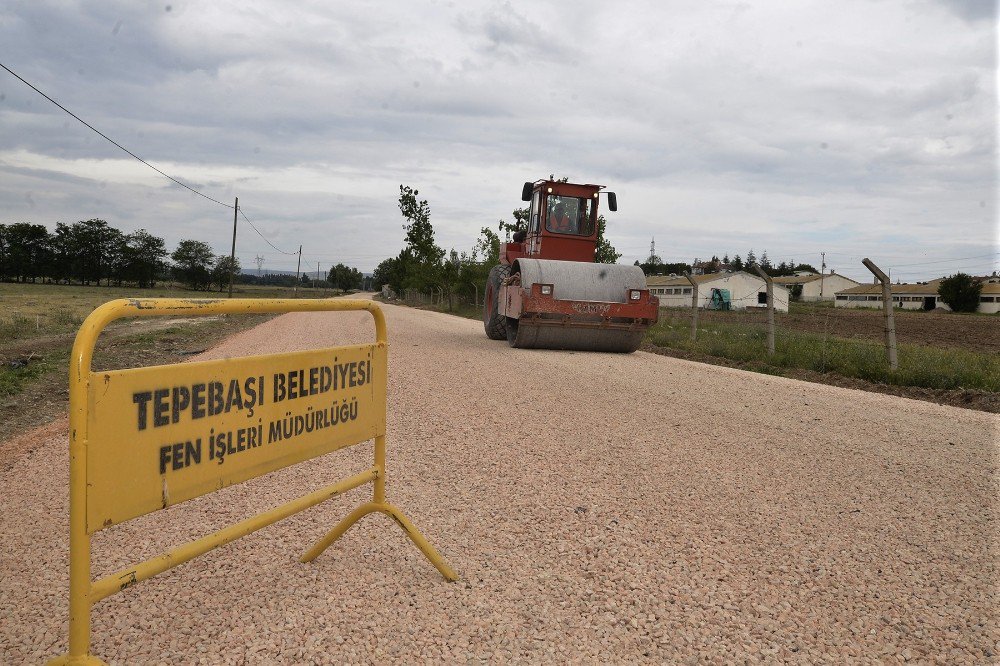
(598, 508)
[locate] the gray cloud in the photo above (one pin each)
(972, 10)
(792, 128)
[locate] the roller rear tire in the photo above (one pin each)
(495, 324)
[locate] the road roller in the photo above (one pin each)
(547, 292)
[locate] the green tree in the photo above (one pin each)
(145, 258)
(93, 244)
(64, 252)
(116, 256)
(960, 292)
(224, 264)
(29, 251)
(765, 263)
(678, 267)
(606, 252)
(450, 272)
(488, 247)
(390, 272)
(4, 252)
(520, 222)
(193, 262)
(419, 231)
(468, 273)
(423, 256)
(345, 278)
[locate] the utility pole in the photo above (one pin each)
(232, 253)
(298, 270)
(890, 324)
(822, 270)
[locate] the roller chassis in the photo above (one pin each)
(541, 320)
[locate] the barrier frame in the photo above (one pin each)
(83, 592)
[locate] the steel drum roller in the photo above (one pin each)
(577, 281)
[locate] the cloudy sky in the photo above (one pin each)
(858, 128)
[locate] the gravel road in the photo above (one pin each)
(598, 508)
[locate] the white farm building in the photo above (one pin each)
(745, 290)
(816, 287)
(920, 296)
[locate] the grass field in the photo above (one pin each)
(29, 311)
(38, 323)
(922, 365)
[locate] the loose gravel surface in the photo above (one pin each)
(598, 508)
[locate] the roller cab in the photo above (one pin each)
(547, 293)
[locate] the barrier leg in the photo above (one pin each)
(379, 504)
(79, 540)
(370, 507)
(417, 538)
(338, 531)
(79, 597)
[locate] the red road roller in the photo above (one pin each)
(547, 292)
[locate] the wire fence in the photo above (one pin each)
(451, 301)
(935, 350)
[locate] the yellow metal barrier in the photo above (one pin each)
(145, 439)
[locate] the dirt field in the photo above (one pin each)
(598, 508)
(130, 343)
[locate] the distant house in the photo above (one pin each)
(706, 267)
(816, 287)
(745, 290)
(919, 296)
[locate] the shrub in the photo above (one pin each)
(960, 292)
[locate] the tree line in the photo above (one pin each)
(93, 252)
(655, 266)
(86, 252)
(424, 266)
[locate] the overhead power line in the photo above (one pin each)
(108, 138)
(157, 170)
(262, 235)
(947, 261)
